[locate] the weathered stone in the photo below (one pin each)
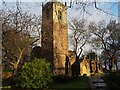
(54, 42)
(85, 67)
(54, 35)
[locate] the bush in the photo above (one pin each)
(34, 74)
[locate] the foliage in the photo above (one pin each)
(92, 55)
(7, 70)
(36, 52)
(17, 34)
(7, 73)
(34, 74)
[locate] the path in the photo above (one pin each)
(97, 83)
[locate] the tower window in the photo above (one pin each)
(59, 15)
(47, 13)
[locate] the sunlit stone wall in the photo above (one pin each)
(55, 35)
(85, 67)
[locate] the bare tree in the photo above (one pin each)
(113, 42)
(20, 30)
(104, 39)
(78, 36)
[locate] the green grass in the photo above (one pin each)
(80, 82)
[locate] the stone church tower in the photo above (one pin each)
(54, 39)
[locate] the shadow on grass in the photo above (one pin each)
(59, 83)
(67, 82)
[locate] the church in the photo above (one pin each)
(54, 41)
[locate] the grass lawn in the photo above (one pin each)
(81, 82)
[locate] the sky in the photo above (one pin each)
(62, 0)
(109, 6)
(119, 11)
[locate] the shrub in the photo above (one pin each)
(34, 74)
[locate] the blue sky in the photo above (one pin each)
(110, 6)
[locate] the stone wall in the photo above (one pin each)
(55, 35)
(72, 59)
(54, 40)
(60, 37)
(47, 30)
(85, 67)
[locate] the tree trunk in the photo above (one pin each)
(116, 66)
(96, 71)
(111, 64)
(115, 62)
(91, 66)
(105, 63)
(18, 60)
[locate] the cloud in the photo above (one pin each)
(95, 14)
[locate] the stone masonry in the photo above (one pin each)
(54, 39)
